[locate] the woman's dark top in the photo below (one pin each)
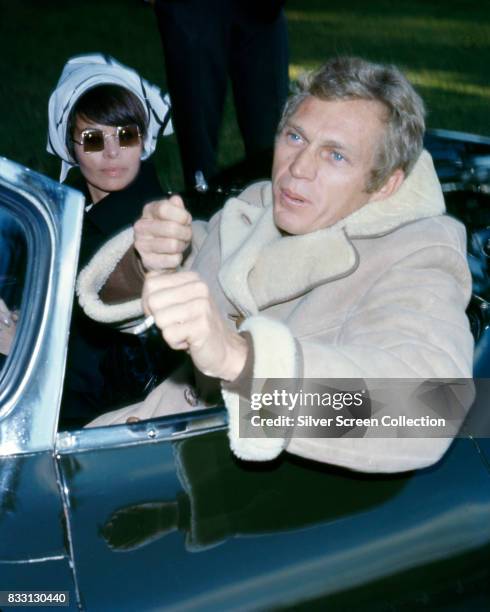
(117, 210)
(107, 368)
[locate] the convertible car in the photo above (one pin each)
(159, 515)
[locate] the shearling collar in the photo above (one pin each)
(261, 268)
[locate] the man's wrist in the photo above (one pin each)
(237, 358)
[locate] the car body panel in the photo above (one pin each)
(234, 536)
(51, 574)
(31, 509)
(33, 550)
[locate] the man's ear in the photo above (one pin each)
(390, 187)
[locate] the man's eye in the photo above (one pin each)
(293, 136)
(336, 156)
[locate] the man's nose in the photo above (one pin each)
(303, 165)
(111, 146)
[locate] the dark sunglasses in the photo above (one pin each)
(93, 139)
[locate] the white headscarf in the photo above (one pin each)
(84, 72)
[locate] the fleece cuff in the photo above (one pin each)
(93, 277)
(274, 356)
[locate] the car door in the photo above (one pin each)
(40, 224)
(162, 516)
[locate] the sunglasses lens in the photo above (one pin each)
(129, 136)
(93, 141)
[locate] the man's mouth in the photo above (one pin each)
(292, 198)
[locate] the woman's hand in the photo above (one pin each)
(185, 312)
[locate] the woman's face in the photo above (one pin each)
(112, 169)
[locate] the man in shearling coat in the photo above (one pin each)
(343, 266)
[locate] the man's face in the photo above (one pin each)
(322, 160)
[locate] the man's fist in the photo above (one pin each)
(163, 234)
(189, 320)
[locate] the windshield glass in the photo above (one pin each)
(12, 274)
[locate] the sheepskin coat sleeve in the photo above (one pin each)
(381, 294)
(126, 315)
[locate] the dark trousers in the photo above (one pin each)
(207, 41)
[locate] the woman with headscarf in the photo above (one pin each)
(105, 119)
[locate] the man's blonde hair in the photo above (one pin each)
(352, 78)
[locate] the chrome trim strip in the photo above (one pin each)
(167, 428)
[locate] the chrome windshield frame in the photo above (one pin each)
(31, 380)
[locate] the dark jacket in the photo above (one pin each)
(105, 367)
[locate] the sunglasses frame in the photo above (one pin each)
(118, 129)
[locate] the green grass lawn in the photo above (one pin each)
(444, 47)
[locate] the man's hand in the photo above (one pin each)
(163, 234)
(189, 320)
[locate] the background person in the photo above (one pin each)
(206, 42)
(344, 266)
(105, 119)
